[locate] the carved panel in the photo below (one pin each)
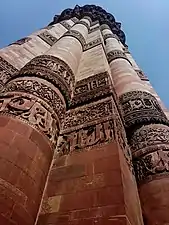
(153, 164)
(116, 54)
(21, 41)
(106, 36)
(65, 24)
(33, 112)
(76, 34)
(88, 114)
(92, 44)
(149, 138)
(48, 38)
(140, 107)
(91, 88)
(52, 69)
(41, 91)
(141, 75)
(6, 72)
(93, 135)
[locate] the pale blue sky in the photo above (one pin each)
(145, 23)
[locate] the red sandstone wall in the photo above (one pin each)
(87, 188)
(25, 157)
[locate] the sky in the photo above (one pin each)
(145, 23)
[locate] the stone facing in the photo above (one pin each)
(77, 118)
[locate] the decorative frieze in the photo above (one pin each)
(52, 69)
(116, 54)
(95, 134)
(32, 111)
(106, 36)
(6, 72)
(92, 125)
(141, 75)
(140, 107)
(76, 34)
(21, 41)
(149, 138)
(92, 88)
(48, 38)
(65, 24)
(92, 44)
(42, 91)
(88, 114)
(152, 165)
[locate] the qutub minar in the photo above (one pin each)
(84, 138)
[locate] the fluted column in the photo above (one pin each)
(32, 108)
(17, 54)
(147, 130)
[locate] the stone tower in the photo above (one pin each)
(84, 138)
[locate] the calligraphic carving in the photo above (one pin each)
(86, 137)
(88, 114)
(6, 72)
(92, 88)
(52, 69)
(92, 44)
(139, 107)
(116, 54)
(40, 90)
(149, 138)
(48, 38)
(33, 112)
(155, 163)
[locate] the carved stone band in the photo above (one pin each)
(88, 137)
(92, 88)
(52, 69)
(32, 111)
(106, 36)
(141, 75)
(152, 166)
(92, 44)
(7, 71)
(21, 41)
(48, 38)
(76, 34)
(88, 114)
(43, 90)
(116, 54)
(66, 25)
(140, 108)
(84, 23)
(148, 139)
